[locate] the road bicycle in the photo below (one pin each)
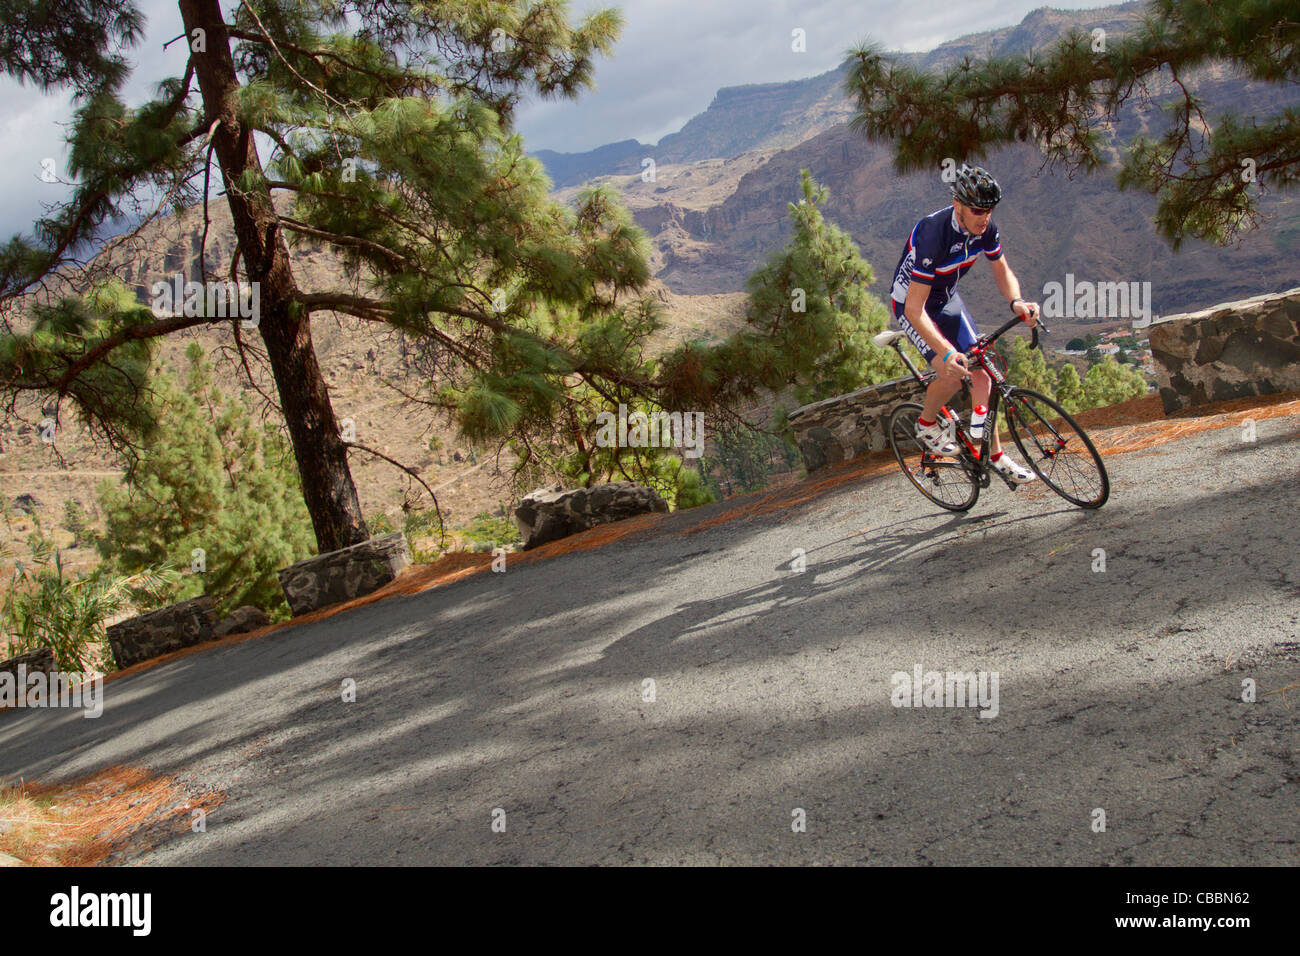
(1053, 444)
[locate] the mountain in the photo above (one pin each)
(718, 202)
(782, 115)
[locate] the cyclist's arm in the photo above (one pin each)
(914, 309)
(1009, 286)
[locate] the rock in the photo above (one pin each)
(1231, 350)
(549, 514)
(240, 621)
(27, 503)
(160, 632)
(342, 575)
(41, 659)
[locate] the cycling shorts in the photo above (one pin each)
(954, 322)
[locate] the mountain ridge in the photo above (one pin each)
(769, 114)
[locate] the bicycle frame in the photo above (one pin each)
(975, 458)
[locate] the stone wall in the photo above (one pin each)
(549, 514)
(162, 631)
(1231, 350)
(41, 659)
(845, 426)
(345, 574)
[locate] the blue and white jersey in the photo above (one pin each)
(938, 253)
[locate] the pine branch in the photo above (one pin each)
(442, 534)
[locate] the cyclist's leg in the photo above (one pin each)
(943, 387)
(955, 325)
(960, 328)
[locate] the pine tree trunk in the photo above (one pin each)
(327, 485)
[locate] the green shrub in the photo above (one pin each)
(488, 531)
(45, 607)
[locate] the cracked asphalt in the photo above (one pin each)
(523, 693)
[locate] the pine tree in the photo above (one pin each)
(391, 124)
(1069, 388)
(1027, 368)
(213, 493)
(808, 327)
(77, 523)
(1109, 383)
(1206, 171)
(808, 323)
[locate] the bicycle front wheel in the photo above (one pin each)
(945, 481)
(1057, 448)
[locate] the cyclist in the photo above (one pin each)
(929, 311)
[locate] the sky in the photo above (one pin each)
(670, 60)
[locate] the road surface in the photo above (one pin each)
(520, 699)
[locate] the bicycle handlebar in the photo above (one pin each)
(987, 340)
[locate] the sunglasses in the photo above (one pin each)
(978, 211)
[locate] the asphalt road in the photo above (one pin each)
(1118, 690)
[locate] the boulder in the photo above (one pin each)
(338, 576)
(549, 514)
(41, 659)
(240, 621)
(162, 631)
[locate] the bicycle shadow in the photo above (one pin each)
(888, 546)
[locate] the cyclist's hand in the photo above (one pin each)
(955, 366)
(1028, 311)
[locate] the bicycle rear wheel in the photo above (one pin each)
(1057, 448)
(945, 481)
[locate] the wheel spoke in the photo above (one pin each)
(945, 481)
(1057, 448)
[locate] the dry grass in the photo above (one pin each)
(86, 822)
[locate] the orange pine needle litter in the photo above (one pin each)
(94, 819)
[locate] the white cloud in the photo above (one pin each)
(674, 55)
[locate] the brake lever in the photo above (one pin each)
(1038, 324)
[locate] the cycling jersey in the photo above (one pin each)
(938, 253)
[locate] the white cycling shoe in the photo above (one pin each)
(935, 439)
(1013, 469)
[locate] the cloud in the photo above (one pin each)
(674, 55)
(34, 125)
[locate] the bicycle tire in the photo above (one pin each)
(948, 474)
(1041, 438)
